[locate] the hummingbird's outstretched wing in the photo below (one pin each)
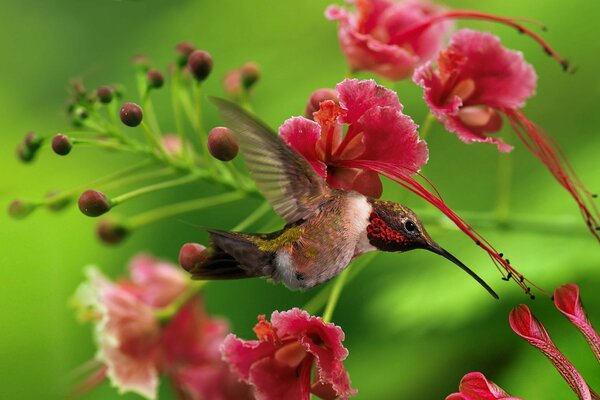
(286, 179)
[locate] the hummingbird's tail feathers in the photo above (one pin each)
(233, 256)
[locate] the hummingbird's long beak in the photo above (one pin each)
(435, 248)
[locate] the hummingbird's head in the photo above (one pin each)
(394, 227)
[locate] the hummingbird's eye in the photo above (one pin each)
(409, 226)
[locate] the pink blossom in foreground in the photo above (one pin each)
(475, 386)
(135, 347)
(372, 39)
(529, 328)
(279, 364)
(477, 81)
(568, 302)
(379, 139)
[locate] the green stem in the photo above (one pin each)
(153, 188)
(252, 218)
(504, 187)
(180, 208)
(177, 114)
(154, 140)
(426, 126)
(334, 295)
(166, 313)
(128, 180)
(197, 90)
(106, 144)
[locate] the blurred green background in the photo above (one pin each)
(414, 323)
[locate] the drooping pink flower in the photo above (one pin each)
(475, 386)
(372, 39)
(568, 302)
(379, 139)
(135, 347)
(279, 364)
(476, 82)
(529, 328)
(392, 38)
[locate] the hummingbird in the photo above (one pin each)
(325, 229)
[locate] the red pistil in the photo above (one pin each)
(467, 14)
(541, 145)
(404, 178)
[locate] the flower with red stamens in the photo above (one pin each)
(376, 131)
(392, 38)
(529, 328)
(373, 40)
(568, 302)
(135, 347)
(475, 386)
(279, 364)
(477, 81)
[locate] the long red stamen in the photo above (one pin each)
(404, 178)
(90, 382)
(467, 14)
(545, 149)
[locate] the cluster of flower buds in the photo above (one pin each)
(103, 120)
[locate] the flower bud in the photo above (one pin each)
(155, 79)
(27, 150)
(184, 49)
(24, 153)
(250, 74)
(19, 209)
(56, 202)
(200, 64)
(172, 144)
(316, 98)
(232, 83)
(141, 61)
(80, 113)
(93, 203)
(105, 94)
(32, 140)
(111, 232)
(131, 114)
(61, 144)
(222, 144)
(192, 255)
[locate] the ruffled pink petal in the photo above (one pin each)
(192, 337)
(127, 338)
(529, 328)
(358, 96)
(211, 381)
(475, 386)
(274, 381)
(447, 113)
(502, 77)
(392, 137)
(323, 341)
(242, 354)
(302, 135)
(158, 283)
(568, 302)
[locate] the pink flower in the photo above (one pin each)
(376, 129)
(529, 328)
(392, 38)
(568, 302)
(476, 82)
(279, 364)
(475, 386)
(372, 38)
(134, 348)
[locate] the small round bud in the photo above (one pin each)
(155, 78)
(80, 113)
(200, 64)
(172, 144)
(315, 99)
(192, 255)
(131, 114)
(56, 202)
(19, 209)
(93, 203)
(232, 83)
(111, 232)
(32, 140)
(250, 74)
(61, 144)
(24, 153)
(105, 94)
(141, 61)
(184, 49)
(27, 150)
(222, 144)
